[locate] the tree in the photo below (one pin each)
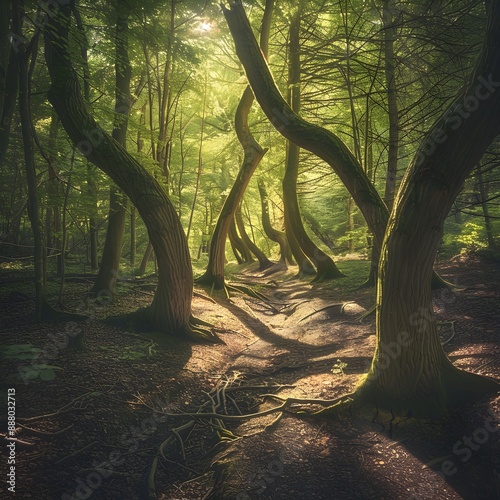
(273, 234)
(307, 252)
(112, 251)
(171, 307)
(253, 153)
(417, 377)
(22, 55)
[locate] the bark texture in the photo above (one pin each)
(272, 233)
(410, 371)
(112, 251)
(326, 268)
(264, 262)
(253, 153)
(171, 306)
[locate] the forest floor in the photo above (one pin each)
(90, 423)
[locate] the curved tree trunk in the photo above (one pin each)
(319, 141)
(239, 245)
(264, 262)
(326, 268)
(253, 153)
(171, 306)
(112, 251)
(145, 258)
(273, 234)
(410, 371)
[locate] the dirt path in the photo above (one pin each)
(92, 431)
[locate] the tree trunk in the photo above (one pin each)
(326, 268)
(55, 195)
(5, 7)
(253, 153)
(410, 372)
(319, 141)
(171, 306)
(9, 104)
(392, 102)
(200, 157)
(22, 56)
(132, 236)
(264, 262)
(145, 259)
(273, 234)
(484, 206)
(239, 244)
(93, 225)
(112, 251)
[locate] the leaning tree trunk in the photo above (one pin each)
(112, 251)
(319, 141)
(410, 371)
(239, 245)
(253, 153)
(171, 306)
(264, 262)
(273, 234)
(326, 268)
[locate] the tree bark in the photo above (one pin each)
(392, 102)
(171, 307)
(253, 153)
(5, 7)
(112, 251)
(319, 141)
(264, 262)
(326, 268)
(21, 58)
(239, 245)
(273, 234)
(484, 207)
(410, 372)
(145, 259)
(9, 105)
(306, 135)
(132, 236)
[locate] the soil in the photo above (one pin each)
(94, 423)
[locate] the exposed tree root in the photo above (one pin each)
(367, 314)
(245, 290)
(217, 401)
(198, 333)
(455, 387)
(333, 406)
(331, 306)
(203, 296)
(208, 279)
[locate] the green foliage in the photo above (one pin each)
(20, 351)
(25, 352)
(472, 237)
(43, 372)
